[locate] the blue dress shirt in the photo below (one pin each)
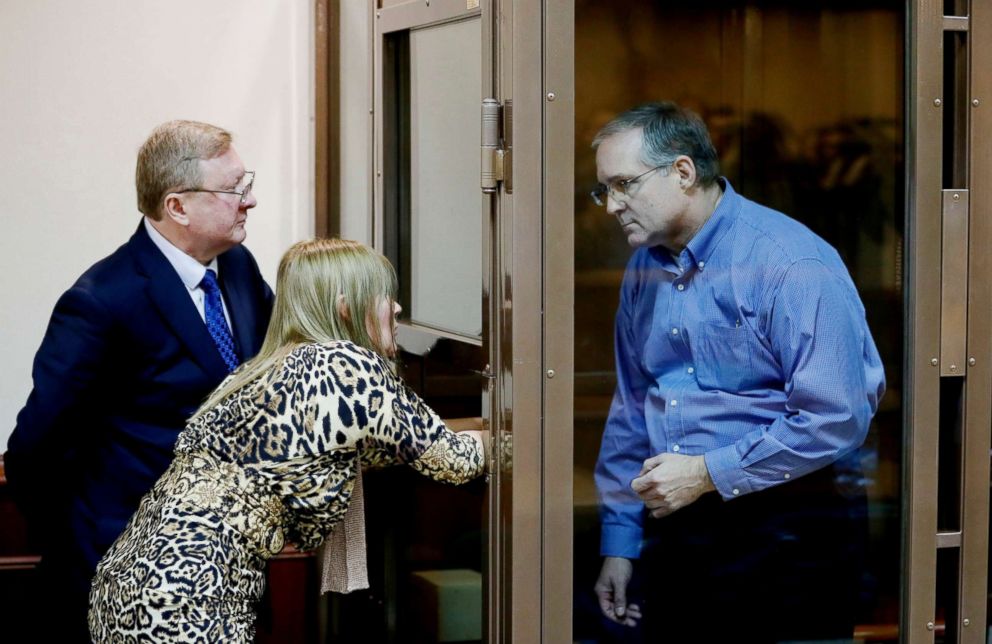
(750, 348)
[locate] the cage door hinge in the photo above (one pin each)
(497, 148)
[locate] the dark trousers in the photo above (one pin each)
(780, 565)
(61, 603)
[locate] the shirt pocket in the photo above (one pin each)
(725, 358)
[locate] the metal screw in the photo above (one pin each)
(956, 197)
(966, 621)
(972, 361)
(929, 626)
(378, 173)
(551, 96)
(937, 102)
(370, 110)
(954, 367)
(378, 14)
(934, 362)
(551, 373)
(975, 102)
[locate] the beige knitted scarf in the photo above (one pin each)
(343, 560)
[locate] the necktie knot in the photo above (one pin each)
(213, 315)
(209, 282)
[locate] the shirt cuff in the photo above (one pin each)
(725, 469)
(621, 541)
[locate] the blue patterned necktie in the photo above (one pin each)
(213, 312)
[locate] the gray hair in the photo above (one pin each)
(669, 132)
(169, 160)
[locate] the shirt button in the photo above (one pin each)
(701, 265)
(788, 476)
(675, 448)
(736, 491)
(681, 287)
(675, 331)
(675, 403)
(691, 370)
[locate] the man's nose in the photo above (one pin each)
(614, 206)
(250, 202)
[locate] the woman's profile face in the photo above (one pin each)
(386, 311)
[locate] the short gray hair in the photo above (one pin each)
(669, 132)
(169, 160)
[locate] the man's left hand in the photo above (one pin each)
(668, 482)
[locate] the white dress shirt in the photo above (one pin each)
(190, 270)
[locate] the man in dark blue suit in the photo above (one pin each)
(132, 349)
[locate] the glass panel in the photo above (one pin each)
(949, 454)
(955, 110)
(955, 7)
(426, 541)
(804, 104)
(445, 198)
(948, 583)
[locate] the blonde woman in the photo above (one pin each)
(273, 455)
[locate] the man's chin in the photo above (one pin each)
(636, 241)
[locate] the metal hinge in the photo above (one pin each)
(497, 145)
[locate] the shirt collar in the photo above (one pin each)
(708, 237)
(190, 271)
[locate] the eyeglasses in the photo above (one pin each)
(620, 187)
(246, 182)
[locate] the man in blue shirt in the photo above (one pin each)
(746, 380)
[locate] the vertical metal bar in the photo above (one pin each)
(559, 259)
(924, 120)
(520, 23)
(375, 93)
(327, 122)
(491, 321)
(954, 283)
(978, 411)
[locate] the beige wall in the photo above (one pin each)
(356, 121)
(81, 86)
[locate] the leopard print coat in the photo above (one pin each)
(275, 461)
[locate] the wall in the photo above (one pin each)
(82, 85)
(356, 121)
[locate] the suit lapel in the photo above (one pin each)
(239, 304)
(170, 296)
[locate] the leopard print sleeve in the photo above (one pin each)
(369, 408)
(452, 458)
(428, 446)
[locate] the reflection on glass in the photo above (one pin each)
(426, 541)
(804, 104)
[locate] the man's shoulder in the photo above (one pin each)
(239, 261)
(766, 232)
(110, 273)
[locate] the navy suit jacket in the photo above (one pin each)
(125, 361)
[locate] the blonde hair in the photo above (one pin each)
(312, 275)
(169, 160)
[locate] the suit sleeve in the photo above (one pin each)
(66, 374)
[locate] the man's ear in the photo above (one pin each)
(174, 209)
(686, 170)
(343, 309)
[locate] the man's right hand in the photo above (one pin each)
(611, 591)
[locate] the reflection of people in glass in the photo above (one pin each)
(274, 454)
(744, 367)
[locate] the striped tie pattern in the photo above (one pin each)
(213, 310)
